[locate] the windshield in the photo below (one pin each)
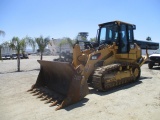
(14, 55)
(108, 34)
(157, 51)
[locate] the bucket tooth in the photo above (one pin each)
(59, 107)
(34, 90)
(54, 103)
(61, 83)
(30, 90)
(49, 100)
(37, 93)
(44, 98)
(39, 96)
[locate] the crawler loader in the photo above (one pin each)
(111, 61)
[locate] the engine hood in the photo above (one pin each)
(155, 55)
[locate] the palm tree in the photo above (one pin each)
(42, 44)
(19, 45)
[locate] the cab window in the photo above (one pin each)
(123, 39)
(108, 34)
(130, 33)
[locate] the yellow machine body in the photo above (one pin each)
(104, 65)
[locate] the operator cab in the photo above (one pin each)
(119, 32)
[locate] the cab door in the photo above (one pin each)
(123, 39)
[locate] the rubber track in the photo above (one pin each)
(98, 73)
(101, 85)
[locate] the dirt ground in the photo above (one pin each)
(136, 101)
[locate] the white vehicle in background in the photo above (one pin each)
(8, 57)
(3, 57)
(25, 56)
(14, 56)
(154, 59)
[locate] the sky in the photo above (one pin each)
(65, 18)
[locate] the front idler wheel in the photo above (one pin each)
(137, 73)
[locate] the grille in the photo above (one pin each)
(157, 59)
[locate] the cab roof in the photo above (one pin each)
(117, 21)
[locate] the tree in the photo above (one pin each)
(148, 38)
(2, 33)
(1, 45)
(82, 36)
(64, 41)
(42, 44)
(93, 39)
(19, 45)
(70, 41)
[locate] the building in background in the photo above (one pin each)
(55, 48)
(7, 51)
(52, 49)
